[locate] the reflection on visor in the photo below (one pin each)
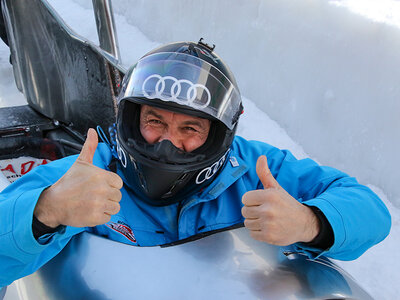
(186, 80)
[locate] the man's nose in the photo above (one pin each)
(173, 138)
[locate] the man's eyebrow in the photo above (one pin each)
(194, 123)
(187, 123)
(152, 112)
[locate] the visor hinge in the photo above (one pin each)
(200, 42)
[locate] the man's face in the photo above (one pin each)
(184, 131)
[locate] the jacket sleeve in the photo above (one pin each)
(358, 217)
(20, 253)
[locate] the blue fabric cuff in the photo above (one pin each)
(22, 222)
(48, 237)
(335, 220)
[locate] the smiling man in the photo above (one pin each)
(175, 170)
(184, 131)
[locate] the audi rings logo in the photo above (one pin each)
(176, 90)
(121, 154)
(210, 171)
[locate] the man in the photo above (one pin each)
(176, 170)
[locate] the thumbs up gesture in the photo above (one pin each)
(273, 216)
(85, 196)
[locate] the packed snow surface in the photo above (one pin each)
(376, 269)
(383, 11)
(326, 71)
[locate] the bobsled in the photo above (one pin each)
(70, 85)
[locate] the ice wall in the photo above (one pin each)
(330, 77)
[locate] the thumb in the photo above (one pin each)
(89, 147)
(264, 173)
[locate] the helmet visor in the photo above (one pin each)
(186, 80)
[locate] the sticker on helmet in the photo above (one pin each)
(175, 92)
(121, 155)
(210, 171)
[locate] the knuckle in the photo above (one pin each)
(245, 198)
(107, 206)
(264, 210)
(111, 207)
(267, 211)
(120, 183)
(118, 195)
(116, 208)
(269, 214)
(262, 222)
(106, 218)
(248, 212)
(115, 180)
(244, 212)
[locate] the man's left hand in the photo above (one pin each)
(273, 216)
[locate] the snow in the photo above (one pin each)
(383, 11)
(9, 94)
(375, 270)
(323, 72)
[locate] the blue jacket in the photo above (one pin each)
(358, 217)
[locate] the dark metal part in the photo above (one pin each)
(70, 144)
(22, 121)
(106, 31)
(24, 132)
(63, 76)
(200, 42)
(3, 33)
(74, 134)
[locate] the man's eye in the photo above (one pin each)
(154, 122)
(188, 128)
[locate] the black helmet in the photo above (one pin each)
(187, 78)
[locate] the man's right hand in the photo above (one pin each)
(85, 196)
